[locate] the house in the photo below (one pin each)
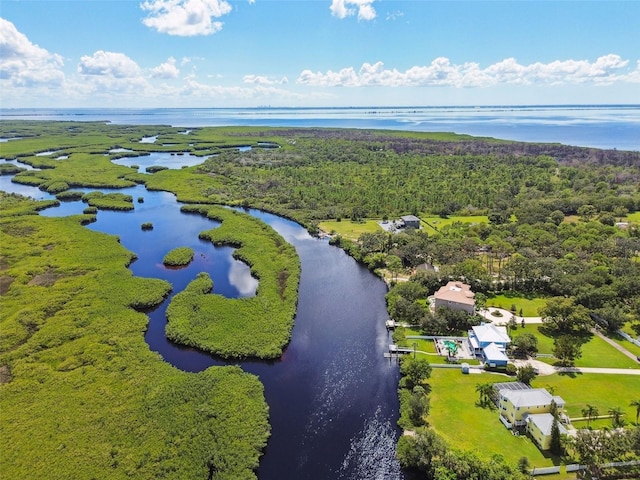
(411, 221)
(539, 427)
(516, 405)
(526, 409)
(494, 356)
(490, 342)
(457, 296)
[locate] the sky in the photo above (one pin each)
(317, 53)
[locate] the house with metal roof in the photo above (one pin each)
(514, 405)
(411, 221)
(490, 342)
(539, 427)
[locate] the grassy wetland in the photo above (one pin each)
(79, 381)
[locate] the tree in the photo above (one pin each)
(524, 345)
(616, 417)
(590, 412)
(526, 374)
(485, 390)
(415, 371)
(567, 349)
(587, 212)
(636, 403)
(394, 264)
(418, 406)
(563, 315)
(555, 444)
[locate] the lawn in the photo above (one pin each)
(437, 223)
(595, 353)
(529, 306)
(456, 417)
(602, 391)
(633, 217)
(350, 230)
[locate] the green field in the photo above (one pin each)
(595, 353)
(455, 416)
(433, 224)
(529, 306)
(594, 389)
(349, 229)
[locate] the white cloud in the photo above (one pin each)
(441, 72)
(395, 15)
(347, 8)
(108, 64)
(167, 69)
(262, 80)
(24, 64)
(185, 18)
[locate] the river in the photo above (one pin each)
(332, 396)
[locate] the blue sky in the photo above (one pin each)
(247, 53)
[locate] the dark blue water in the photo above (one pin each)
(598, 126)
(332, 396)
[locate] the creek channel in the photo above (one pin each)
(332, 395)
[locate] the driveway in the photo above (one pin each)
(506, 316)
(546, 369)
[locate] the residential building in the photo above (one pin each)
(539, 427)
(457, 296)
(516, 405)
(411, 221)
(490, 342)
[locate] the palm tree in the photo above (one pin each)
(590, 412)
(636, 403)
(616, 417)
(484, 389)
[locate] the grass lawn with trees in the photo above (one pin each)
(455, 415)
(528, 305)
(595, 352)
(349, 229)
(594, 389)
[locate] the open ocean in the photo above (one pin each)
(599, 126)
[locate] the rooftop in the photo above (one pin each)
(490, 333)
(544, 421)
(456, 292)
(532, 397)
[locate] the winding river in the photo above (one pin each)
(332, 395)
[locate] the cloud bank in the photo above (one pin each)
(441, 72)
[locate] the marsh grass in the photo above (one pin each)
(178, 257)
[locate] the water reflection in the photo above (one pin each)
(160, 159)
(332, 396)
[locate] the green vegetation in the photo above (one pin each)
(246, 327)
(81, 395)
(147, 226)
(178, 257)
(523, 221)
(109, 201)
(349, 229)
(530, 306)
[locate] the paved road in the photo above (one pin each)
(546, 369)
